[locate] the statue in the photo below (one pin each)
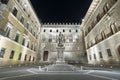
(60, 38)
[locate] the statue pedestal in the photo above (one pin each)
(60, 55)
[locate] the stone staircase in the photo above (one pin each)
(59, 67)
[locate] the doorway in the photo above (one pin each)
(45, 56)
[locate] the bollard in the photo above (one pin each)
(81, 68)
(39, 68)
(111, 67)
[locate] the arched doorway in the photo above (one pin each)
(45, 56)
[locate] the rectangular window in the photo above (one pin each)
(7, 32)
(25, 57)
(12, 54)
(17, 37)
(22, 20)
(33, 59)
(100, 54)
(4, 1)
(27, 25)
(19, 58)
(94, 56)
(109, 52)
(90, 57)
(14, 12)
(30, 58)
(2, 52)
(23, 42)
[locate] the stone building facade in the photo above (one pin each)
(72, 40)
(19, 32)
(101, 26)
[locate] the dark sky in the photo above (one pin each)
(61, 11)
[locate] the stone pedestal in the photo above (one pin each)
(60, 55)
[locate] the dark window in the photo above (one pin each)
(32, 47)
(100, 54)
(30, 58)
(113, 28)
(18, 0)
(56, 30)
(17, 37)
(7, 32)
(44, 30)
(25, 57)
(27, 25)
(109, 52)
(50, 30)
(98, 17)
(22, 20)
(28, 45)
(90, 57)
(4, 1)
(14, 12)
(106, 8)
(23, 42)
(76, 30)
(94, 56)
(2, 52)
(50, 40)
(19, 57)
(34, 34)
(33, 59)
(63, 30)
(12, 54)
(70, 30)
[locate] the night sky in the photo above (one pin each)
(61, 11)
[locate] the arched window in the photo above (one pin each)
(50, 30)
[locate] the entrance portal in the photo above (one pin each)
(45, 56)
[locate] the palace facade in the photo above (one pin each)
(72, 41)
(19, 33)
(101, 26)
